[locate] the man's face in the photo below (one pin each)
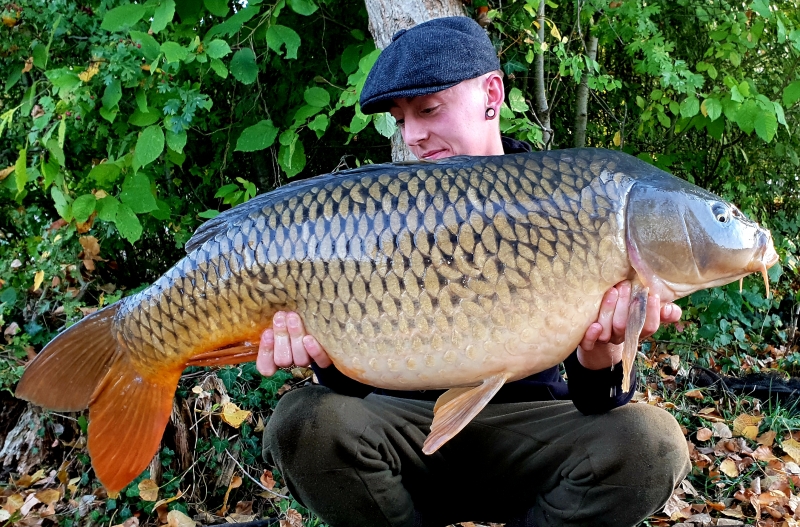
(446, 123)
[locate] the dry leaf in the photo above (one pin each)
(267, 480)
(133, 521)
(28, 65)
(30, 502)
(704, 434)
(729, 468)
(233, 415)
(722, 431)
(91, 248)
(767, 438)
(37, 280)
(179, 519)
(792, 447)
(13, 503)
(259, 426)
(293, 519)
(6, 172)
(244, 508)
(4, 515)
(746, 426)
(159, 503)
(763, 453)
(148, 490)
(48, 496)
(695, 394)
(90, 72)
(235, 483)
(675, 508)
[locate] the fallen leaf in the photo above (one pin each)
(4, 515)
(13, 503)
(235, 483)
(244, 508)
(746, 426)
(675, 508)
(148, 490)
(37, 280)
(37, 111)
(28, 65)
(48, 496)
(763, 453)
(178, 519)
(233, 415)
(91, 248)
(6, 171)
(792, 447)
(767, 438)
(30, 502)
(729, 468)
(267, 480)
(159, 503)
(259, 426)
(722, 431)
(695, 394)
(293, 519)
(704, 434)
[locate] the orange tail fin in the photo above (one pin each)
(127, 417)
(64, 375)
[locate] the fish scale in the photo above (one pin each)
(440, 251)
(465, 273)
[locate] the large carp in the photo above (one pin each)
(465, 273)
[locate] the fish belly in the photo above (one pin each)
(411, 277)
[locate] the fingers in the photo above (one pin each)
(265, 362)
(620, 319)
(316, 352)
(670, 313)
(283, 347)
(653, 316)
(606, 315)
(296, 333)
(591, 336)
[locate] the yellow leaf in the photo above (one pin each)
(178, 519)
(617, 138)
(6, 171)
(746, 426)
(233, 415)
(148, 490)
(48, 496)
(554, 31)
(13, 503)
(767, 438)
(792, 447)
(695, 394)
(729, 468)
(704, 434)
(39, 474)
(37, 280)
(159, 503)
(703, 108)
(90, 72)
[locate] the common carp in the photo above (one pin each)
(464, 273)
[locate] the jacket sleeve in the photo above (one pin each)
(597, 391)
(341, 383)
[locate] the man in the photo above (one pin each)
(352, 454)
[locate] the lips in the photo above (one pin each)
(434, 154)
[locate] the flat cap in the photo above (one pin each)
(428, 58)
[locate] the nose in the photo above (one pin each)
(414, 131)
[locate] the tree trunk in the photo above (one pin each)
(386, 17)
(581, 115)
(539, 92)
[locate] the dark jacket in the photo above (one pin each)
(592, 391)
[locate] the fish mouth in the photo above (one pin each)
(767, 259)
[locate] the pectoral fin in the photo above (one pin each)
(637, 312)
(456, 408)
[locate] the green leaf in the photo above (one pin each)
(136, 193)
(690, 106)
(21, 170)
(385, 124)
(714, 108)
(257, 137)
(292, 158)
(39, 53)
(176, 141)
(304, 112)
(243, 66)
(663, 119)
(62, 204)
(320, 123)
(746, 116)
(317, 96)
(62, 132)
(219, 68)
(766, 125)
(216, 49)
(779, 114)
(112, 94)
(64, 80)
(14, 74)
(83, 206)
(163, 15)
(302, 7)
(148, 147)
(107, 208)
(791, 94)
(735, 59)
(162, 212)
(108, 115)
(349, 59)
(517, 101)
(122, 17)
(50, 171)
(234, 23)
(217, 7)
(105, 174)
(150, 46)
(359, 121)
(127, 223)
(56, 151)
(208, 214)
(278, 35)
(140, 118)
(174, 52)
(762, 8)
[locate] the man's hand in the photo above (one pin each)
(286, 344)
(601, 346)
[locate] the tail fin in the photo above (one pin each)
(127, 417)
(66, 372)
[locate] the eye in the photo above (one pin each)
(429, 110)
(721, 212)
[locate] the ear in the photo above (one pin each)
(495, 92)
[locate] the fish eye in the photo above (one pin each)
(721, 212)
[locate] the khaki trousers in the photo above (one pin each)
(358, 462)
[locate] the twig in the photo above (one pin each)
(253, 479)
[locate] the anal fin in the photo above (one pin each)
(456, 408)
(637, 312)
(245, 352)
